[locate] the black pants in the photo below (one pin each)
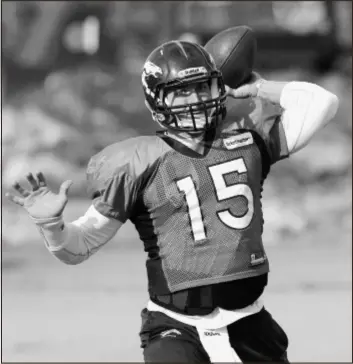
(257, 337)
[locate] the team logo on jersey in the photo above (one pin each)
(170, 333)
(238, 141)
(257, 259)
(192, 71)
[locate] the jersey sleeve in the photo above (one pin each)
(116, 175)
(111, 186)
(272, 131)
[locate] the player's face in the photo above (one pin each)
(190, 94)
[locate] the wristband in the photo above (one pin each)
(47, 220)
(53, 231)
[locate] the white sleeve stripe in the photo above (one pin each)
(307, 108)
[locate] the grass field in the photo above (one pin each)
(91, 312)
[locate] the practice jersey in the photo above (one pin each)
(199, 216)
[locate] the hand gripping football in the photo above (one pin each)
(234, 51)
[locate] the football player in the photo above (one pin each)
(193, 192)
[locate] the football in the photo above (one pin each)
(234, 51)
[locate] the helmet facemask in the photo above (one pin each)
(212, 110)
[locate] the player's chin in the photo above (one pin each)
(190, 126)
(188, 123)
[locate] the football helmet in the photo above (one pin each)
(177, 64)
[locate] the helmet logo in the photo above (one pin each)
(192, 71)
(150, 69)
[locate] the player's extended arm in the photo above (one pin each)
(73, 242)
(306, 107)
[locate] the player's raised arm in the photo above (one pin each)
(307, 107)
(72, 242)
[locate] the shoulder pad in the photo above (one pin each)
(130, 157)
(253, 114)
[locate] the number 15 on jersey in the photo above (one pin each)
(223, 192)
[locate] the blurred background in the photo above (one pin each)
(70, 85)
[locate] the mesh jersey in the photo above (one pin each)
(200, 217)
